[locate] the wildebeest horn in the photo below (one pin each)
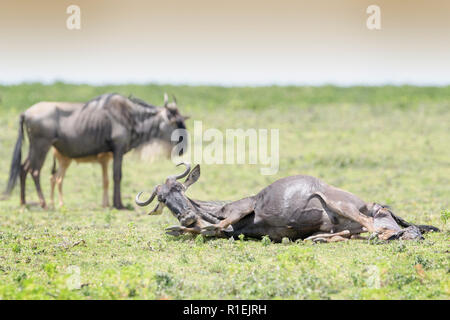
(147, 202)
(166, 99)
(185, 173)
(174, 99)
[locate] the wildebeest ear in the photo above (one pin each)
(193, 176)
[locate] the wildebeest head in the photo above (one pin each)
(172, 120)
(171, 194)
(154, 128)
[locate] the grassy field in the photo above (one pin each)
(386, 144)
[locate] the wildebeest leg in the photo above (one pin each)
(60, 179)
(348, 211)
(38, 151)
(327, 236)
(23, 179)
(117, 199)
(337, 239)
(104, 163)
(179, 230)
(358, 237)
(233, 212)
(36, 174)
(58, 176)
(196, 229)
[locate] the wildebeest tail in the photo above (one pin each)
(16, 159)
(426, 228)
(423, 228)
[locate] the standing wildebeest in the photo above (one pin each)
(108, 123)
(296, 207)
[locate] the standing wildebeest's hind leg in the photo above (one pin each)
(104, 162)
(38, 150)
(23, 179)
(117, 176)
(233, 212)
(58, 176)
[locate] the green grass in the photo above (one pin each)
(386, 144)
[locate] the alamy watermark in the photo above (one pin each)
(372, 279)
(73, 282)
(234, 146)
(373, 22)
(73, 22)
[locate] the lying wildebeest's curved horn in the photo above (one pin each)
(174, 99)
(145, 203)
(185, 173)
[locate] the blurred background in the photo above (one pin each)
(226, 43)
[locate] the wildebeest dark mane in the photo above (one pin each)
(141, 102)
(98, 98)
(131, 98)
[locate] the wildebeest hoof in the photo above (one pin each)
(210, 231)
(175, 230)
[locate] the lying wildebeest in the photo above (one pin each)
(296, 207)
(109, 123)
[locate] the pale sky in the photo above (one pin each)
(226, 43)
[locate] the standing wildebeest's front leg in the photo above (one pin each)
(104, 161)
(233, 212)
(117, 167)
